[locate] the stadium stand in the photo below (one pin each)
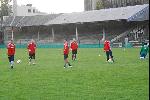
(117, 23)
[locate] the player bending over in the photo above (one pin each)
(31, 49)
(11, 52)
(108, 50)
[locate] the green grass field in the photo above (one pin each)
(90, 78)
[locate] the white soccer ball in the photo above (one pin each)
(18, 61)
(141, 57)
(110, 60)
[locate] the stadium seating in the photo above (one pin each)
(87, 34)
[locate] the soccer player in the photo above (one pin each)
(108, 50)
(31, 49)
(11, 52)
(74, 47)
(144, 51)
(66, 52)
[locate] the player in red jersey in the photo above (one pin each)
(74, 47)
(31, 49)
(66, 53)
(11, 52)
(108, 51)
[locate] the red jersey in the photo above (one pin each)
(11, 49)
(31, 47)
(74, 45)
(66, 48)
(106, 45)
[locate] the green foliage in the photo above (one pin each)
(101, 4)
(90, 78)
(5, 8)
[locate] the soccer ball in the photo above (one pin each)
(110, 61)
(18, 61)
(141, 57)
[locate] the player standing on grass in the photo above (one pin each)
(74, 47)
(11, 52)
(66, 52)
(108, 51)
(31, 49)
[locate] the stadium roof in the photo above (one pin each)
(129, 13)
(29, 20)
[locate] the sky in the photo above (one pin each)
(55, 6)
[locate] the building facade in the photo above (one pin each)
(27, 10)
(102, 4)
(24, 10)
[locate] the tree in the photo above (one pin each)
(101, 4)
(5, 8)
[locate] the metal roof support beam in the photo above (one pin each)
(104, 34)
(76, 33)
(53, 34)
(38, 35)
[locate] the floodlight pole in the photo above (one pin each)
(12, 31)
(14, 14)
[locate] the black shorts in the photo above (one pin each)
(11, 58)
(143, 55)
(32, 56)
(74, 51)
(65, 56)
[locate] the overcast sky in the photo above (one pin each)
(55, 6)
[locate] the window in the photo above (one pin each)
(33, 10)
(29, 10)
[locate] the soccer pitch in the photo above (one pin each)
(90, 78)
